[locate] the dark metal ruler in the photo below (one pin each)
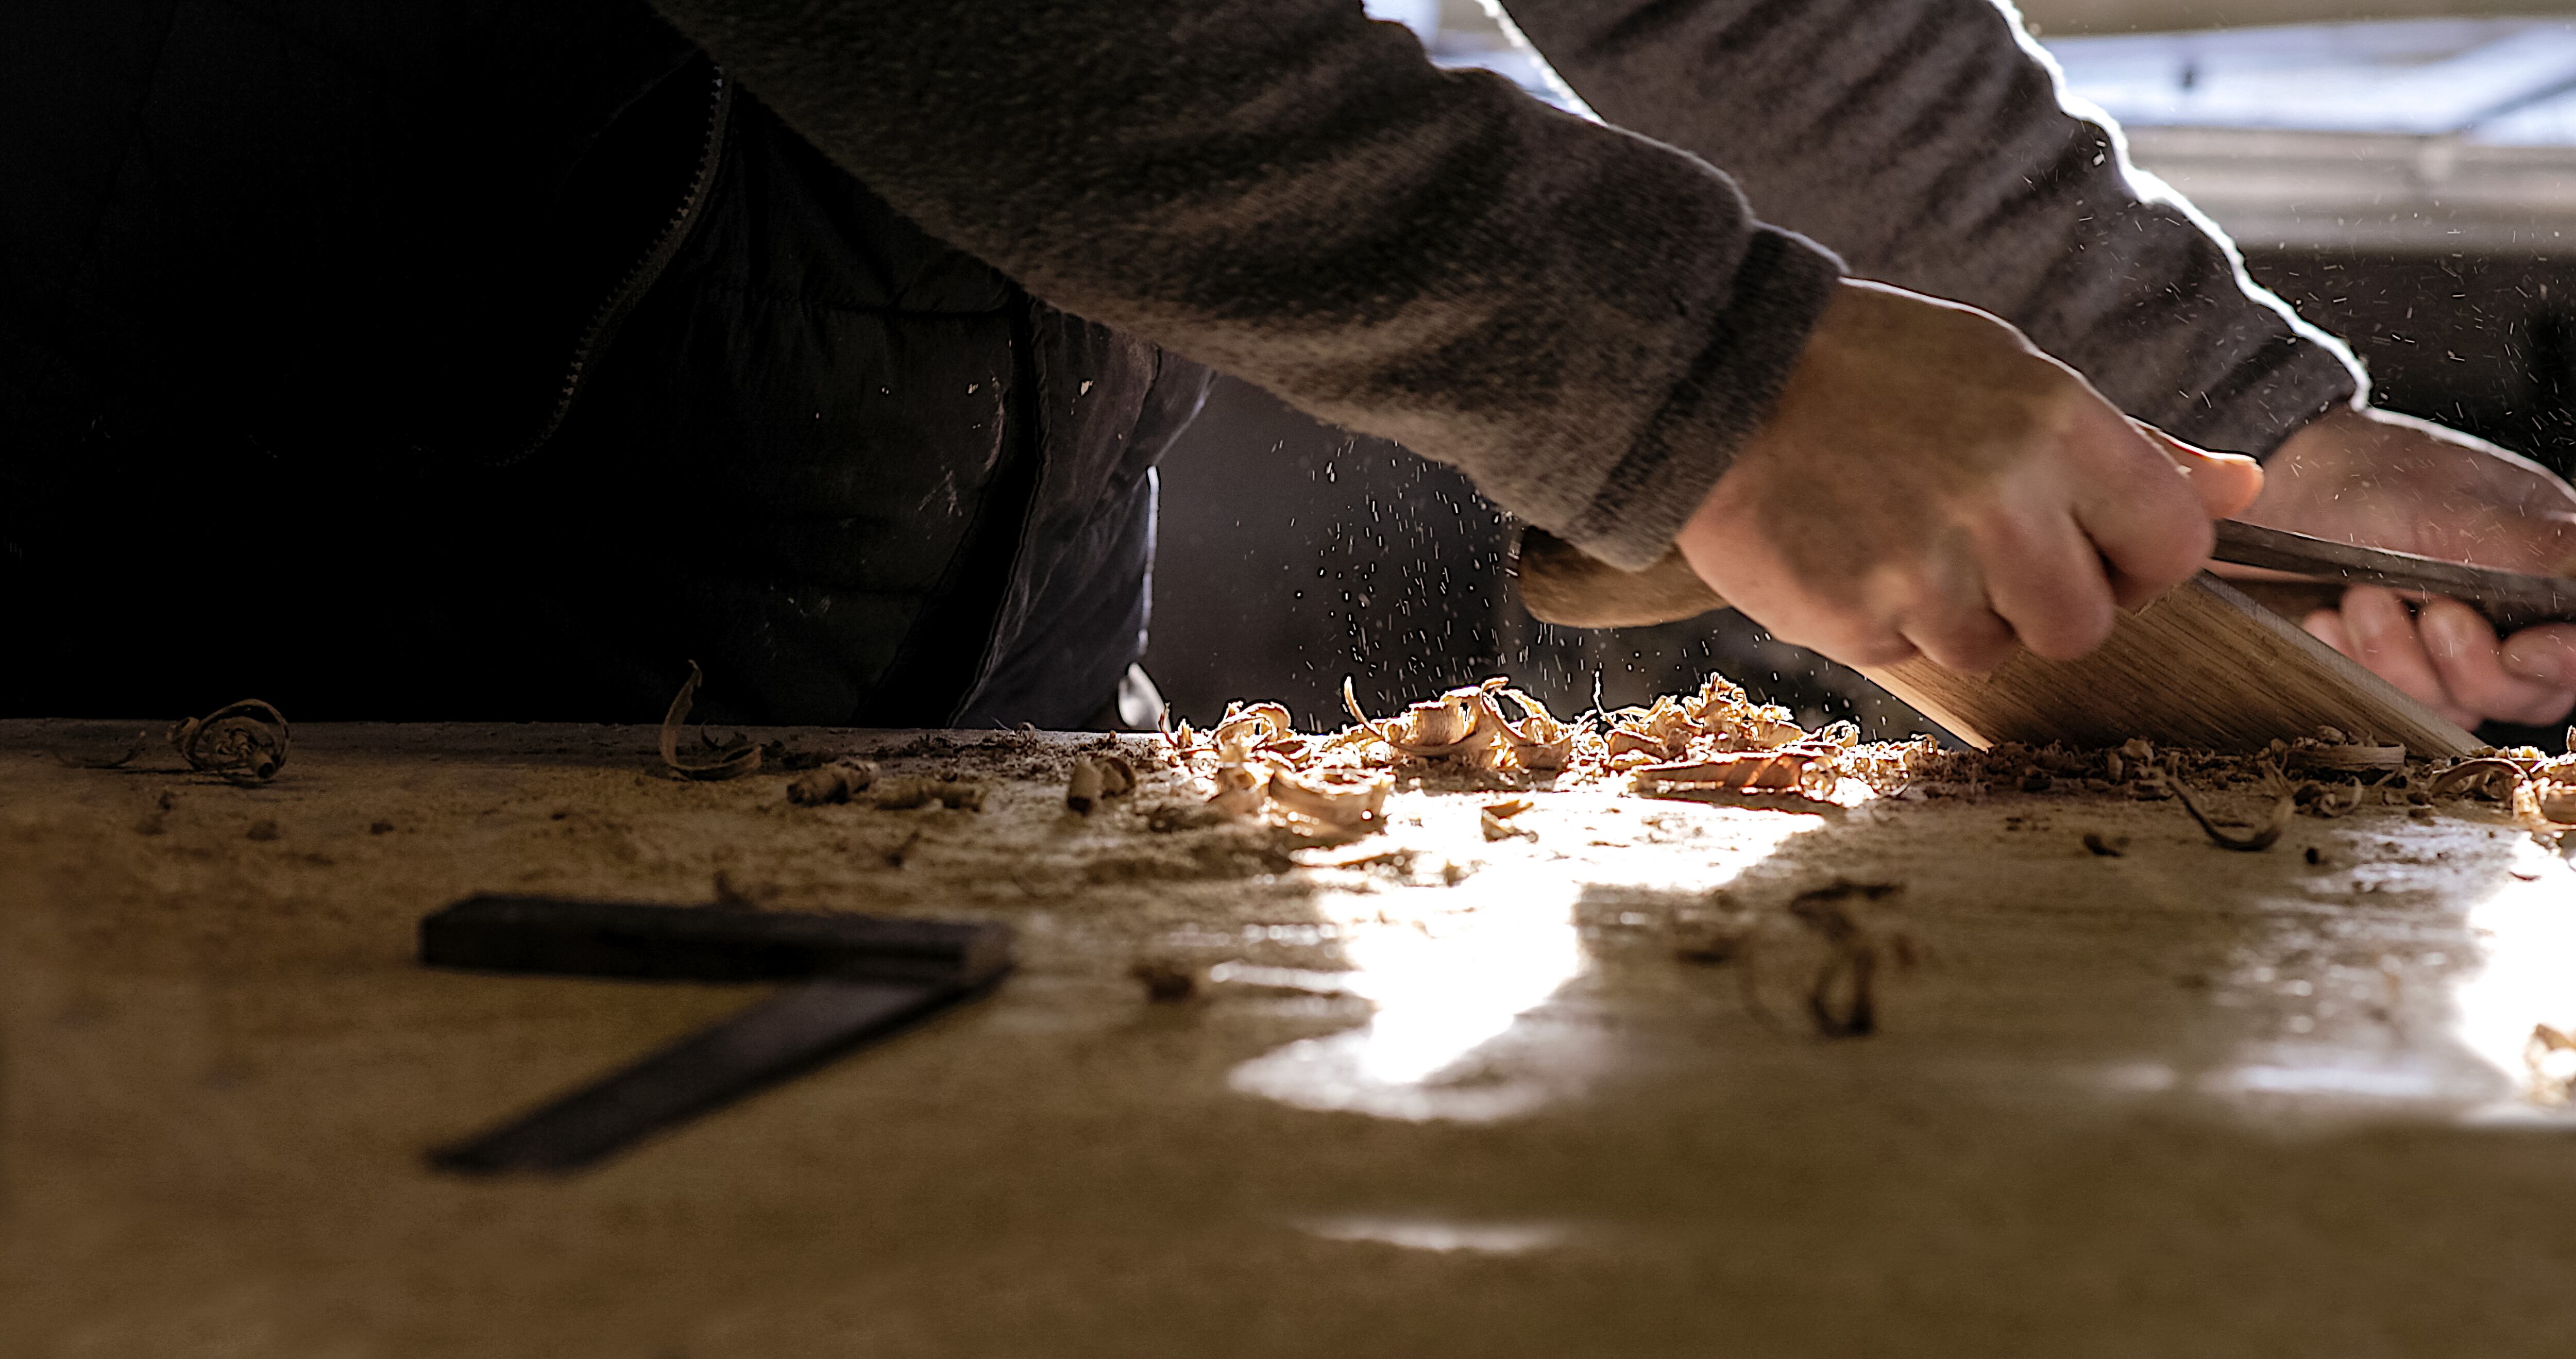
(858, 979)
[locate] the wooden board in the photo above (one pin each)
(2203, 666)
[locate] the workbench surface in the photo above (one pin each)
(1448, 1095)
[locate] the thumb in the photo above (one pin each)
(2226, 482)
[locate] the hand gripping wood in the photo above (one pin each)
(2202, 666)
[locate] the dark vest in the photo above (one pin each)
(424, 359)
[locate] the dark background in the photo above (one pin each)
(1294, 553)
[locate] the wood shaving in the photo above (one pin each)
(1333, 797)
(2260, 837)
(727, 760)
(245, 742)
(1117, 776)
(133, 751)
(2488, 778)
(1093, 781)
(833, 783)
(1082, 788)
(2550, 1053)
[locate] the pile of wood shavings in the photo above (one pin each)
(1492, 734)
(2325, 775)
(1718, 740)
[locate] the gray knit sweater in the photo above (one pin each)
(1587, 321)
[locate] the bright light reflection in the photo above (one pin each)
(2527, 932)
(1440, 1234)
(1454, 971)
(1445, 984)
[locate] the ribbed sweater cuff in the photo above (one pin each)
(1780, 289)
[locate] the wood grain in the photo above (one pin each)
(2202, 666)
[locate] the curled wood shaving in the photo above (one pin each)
(2550, 1053)
(1117, 777)
(245, 742)
(1082, 788)
(1456, 723)
(2326, 801)
(1094, 781)
(1178, 746)
(2478, 777)
(133, 751)
(2260, 837)
(1246, 731)
(1334, 797)
(731, 760)
(1785, 770)
(1240, 788)
(1538, 741)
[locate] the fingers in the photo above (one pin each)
(2448, 658)
(2226, 482)
(2472, 665)
(2150, 525)
(2375, 630)
(2047, 582)
(1968, 638)
(2545, 655)
(2326, 625)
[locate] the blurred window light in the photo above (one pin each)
(2405, 135)
(2496, 81)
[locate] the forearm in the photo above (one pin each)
(1921, 142)
(1586, 321)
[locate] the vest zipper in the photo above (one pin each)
(639, 279)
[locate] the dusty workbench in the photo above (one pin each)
(1444, 1095)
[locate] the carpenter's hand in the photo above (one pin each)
(2388, 481)
(1929, 482)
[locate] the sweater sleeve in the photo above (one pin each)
(1587, 322)
(1927, 143)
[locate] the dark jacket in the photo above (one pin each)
(273, 246)
(435, 358)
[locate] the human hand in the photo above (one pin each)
(2383, 480)
(1928, 482)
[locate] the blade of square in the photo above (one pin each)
(792, 1031)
